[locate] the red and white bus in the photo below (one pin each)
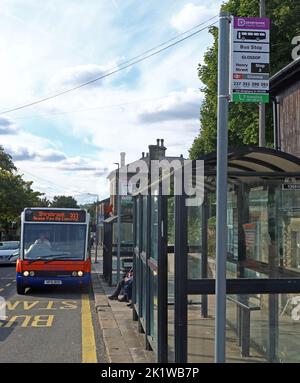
(54, 249)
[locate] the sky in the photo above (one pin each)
(69, 144)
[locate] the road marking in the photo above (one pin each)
(8, 284)
(41, 305)
(36, 321)
(88, 337)
(42, 321)
(26, 319)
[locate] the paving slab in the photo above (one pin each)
(123, 342)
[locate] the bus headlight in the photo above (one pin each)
(31, 273)
(26, 273)
(74, 273)
(80, 273)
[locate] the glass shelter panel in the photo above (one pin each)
(153, 306)
(154, 226)
(256, 230)
(260, 328)
(232, 224)
(144, 224)
(289, 230)
(126, 239)
(153, 271)
(263, 232)
(137, 276)
(194, 241)
(171, 285)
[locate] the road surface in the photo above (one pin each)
(52, 325)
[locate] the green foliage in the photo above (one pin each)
(44, 202)
(15, 193)
(194, 225)
(171, 221)
(64, 202)
(6, 161)
(91, 209)
(243, 118)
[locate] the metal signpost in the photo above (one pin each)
(221, 227)
(249, 82)
(250, 59)
(262, 106)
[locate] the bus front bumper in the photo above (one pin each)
(53, 281)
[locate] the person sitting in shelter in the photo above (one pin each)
(128, 291)
(125, 286)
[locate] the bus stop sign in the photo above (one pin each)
(250, 59)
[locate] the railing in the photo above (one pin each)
(245, 309)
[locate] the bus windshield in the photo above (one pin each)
(54, 241)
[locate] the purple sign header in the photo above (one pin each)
(251, 23)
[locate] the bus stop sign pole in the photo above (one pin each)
(221, 224)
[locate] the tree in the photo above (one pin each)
(243, 118)
(6, 163)
(44, 202)
(91, 209)
(15, 193)
(64, 202)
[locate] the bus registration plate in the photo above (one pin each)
(52, 282)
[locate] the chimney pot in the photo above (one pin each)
(143, 154)
(122, 155)
(157, 141)
(162, 142)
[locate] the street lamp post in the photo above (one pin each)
(118, 222)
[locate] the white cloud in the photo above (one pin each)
(50, 155)
(78, 74)
(81, 164)
(26, 153)
(20, 153)
(7, 126)
(191, 15)
(59, 45)
(176, 106)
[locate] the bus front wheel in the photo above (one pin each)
(20, 290)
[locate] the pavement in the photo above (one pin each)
(122, 340)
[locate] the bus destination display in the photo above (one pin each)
(55, 215)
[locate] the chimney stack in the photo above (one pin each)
(122, 158)
(158, 151)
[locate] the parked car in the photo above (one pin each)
(15, 255)
(9, 251)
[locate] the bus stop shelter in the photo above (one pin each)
(174, 263)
